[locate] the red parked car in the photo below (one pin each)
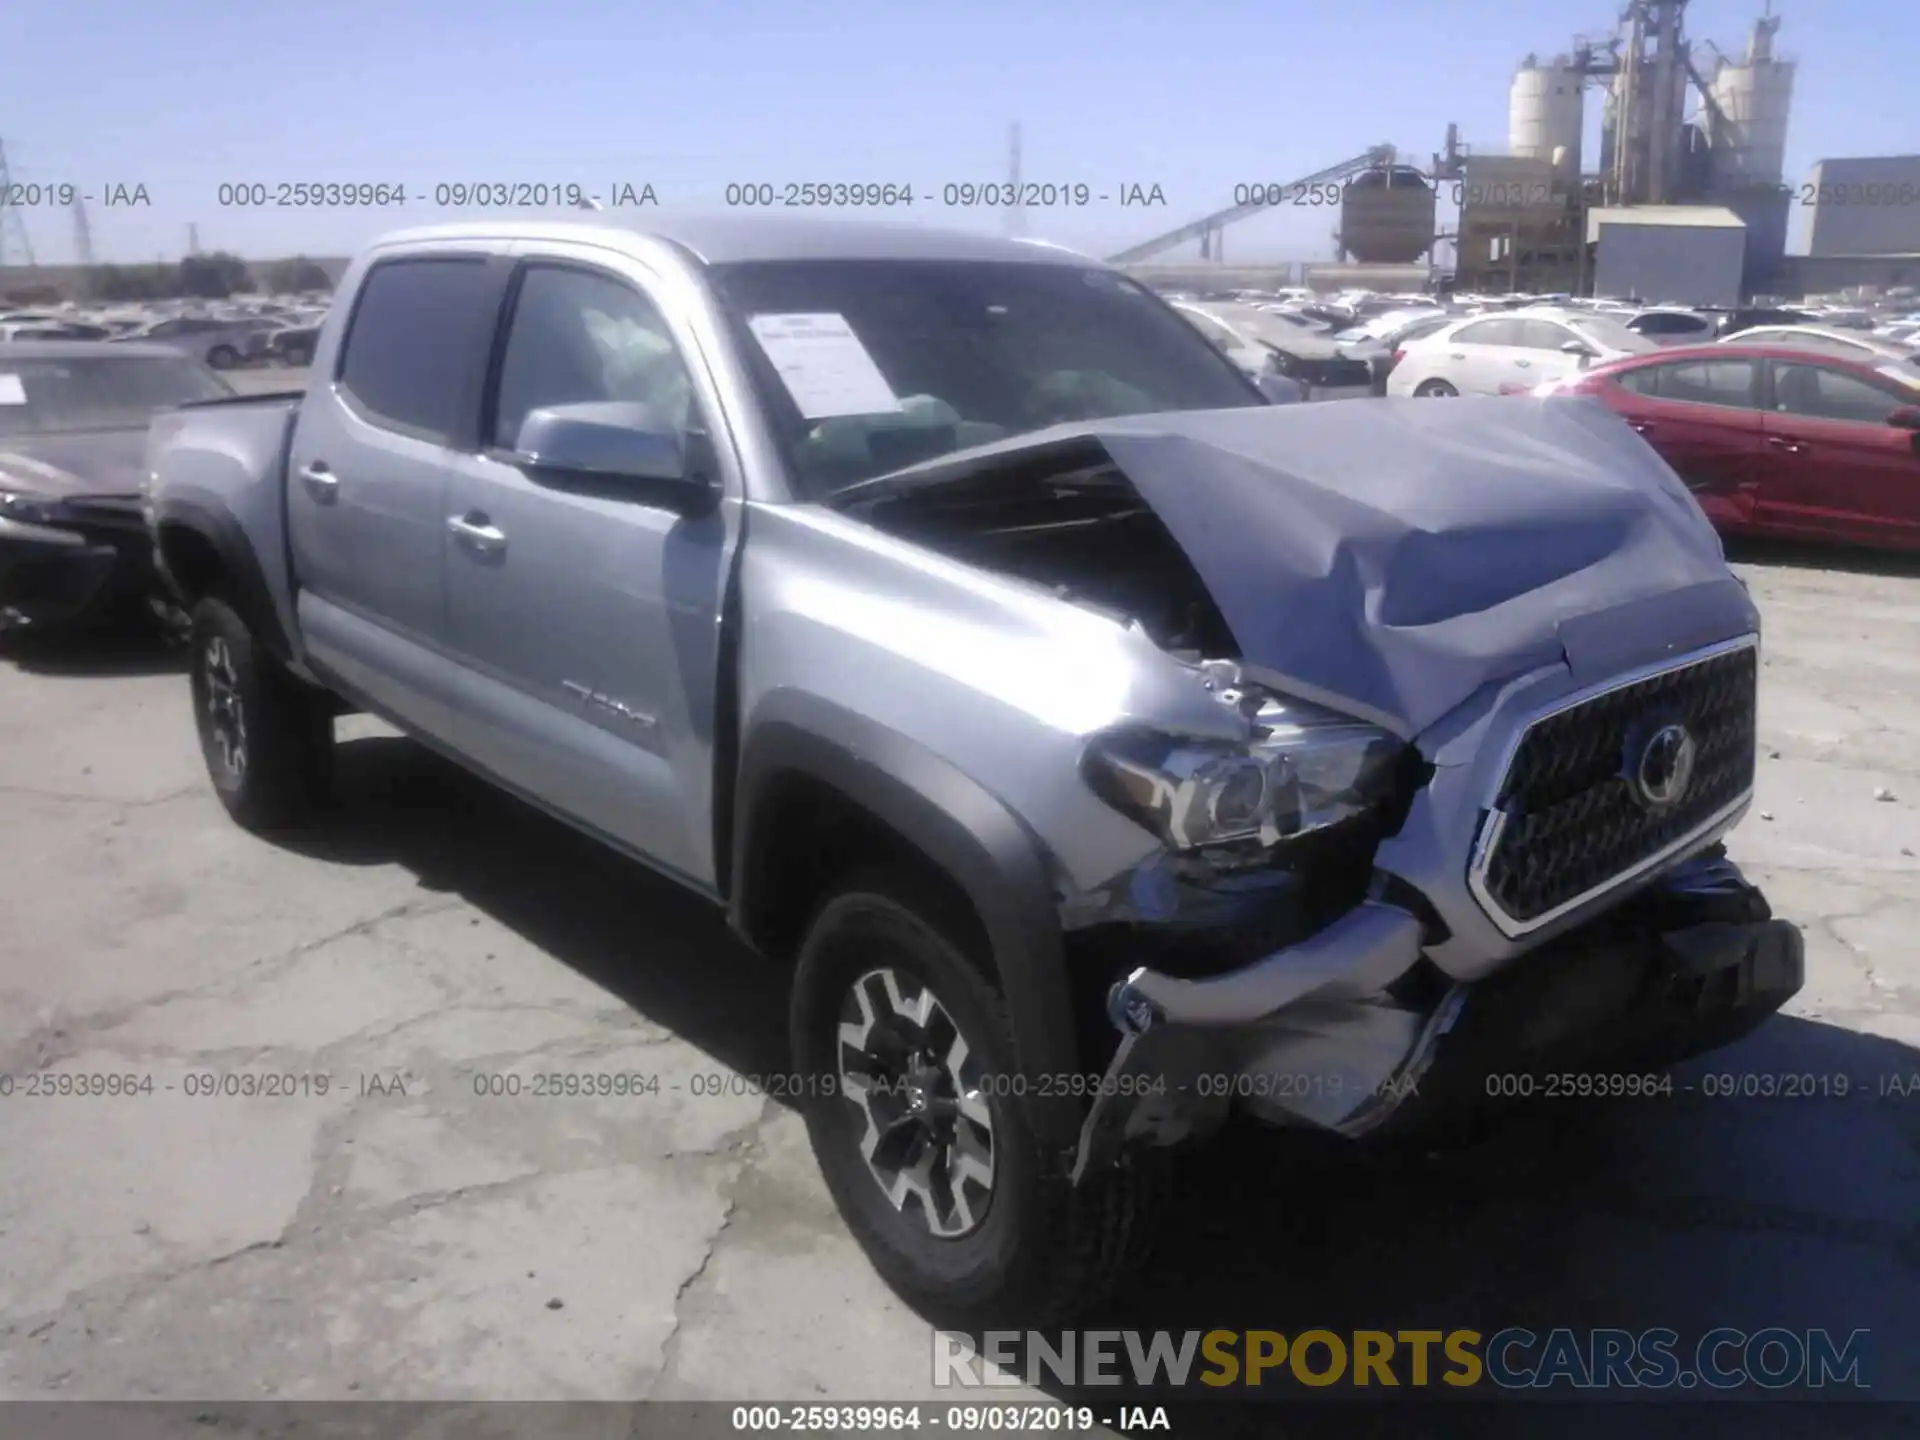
(1778, 441)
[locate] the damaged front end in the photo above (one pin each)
(1274, 958)
(1375, 1038)
(1428, 849)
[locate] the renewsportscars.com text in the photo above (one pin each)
(1509, 1359)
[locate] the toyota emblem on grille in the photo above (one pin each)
(1665, 767)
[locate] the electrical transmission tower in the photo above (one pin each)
(83, 246)
(15, 247)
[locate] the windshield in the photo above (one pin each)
(868, 366)
(1612, 334)
(97, 392)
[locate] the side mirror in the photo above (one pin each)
(618, 442)
(1574, 347)
(1907, 417)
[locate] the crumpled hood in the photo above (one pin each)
(1392, 557)
(62, 467)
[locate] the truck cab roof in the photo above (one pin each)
(729, 239)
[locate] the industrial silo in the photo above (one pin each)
(1747, 119)
(1546, 116)
(1387, 216)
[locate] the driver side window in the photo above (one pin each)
(578, 336)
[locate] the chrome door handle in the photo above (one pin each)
(479, 532)
(1524, 364)
(1641, 425)
(1792, 447)
(321, 482)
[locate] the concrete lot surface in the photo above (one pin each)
(418, 1231)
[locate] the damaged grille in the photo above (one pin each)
(1576, 813)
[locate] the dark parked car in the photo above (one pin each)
(73, 418)
(292, 344)
(1732, 322)
(222, 344)
(1777, 440)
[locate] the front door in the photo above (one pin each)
(1704, 418)
(587, 616)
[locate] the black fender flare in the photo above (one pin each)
(981, 845)
(244, 581)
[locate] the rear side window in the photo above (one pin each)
(1709, 382)
(1490, 332)
(419, 331)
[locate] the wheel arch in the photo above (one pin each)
(203, 550)
(802, 752)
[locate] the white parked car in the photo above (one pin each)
(1511, 353)
(1847, 344)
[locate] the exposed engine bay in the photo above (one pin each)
(1074, 524)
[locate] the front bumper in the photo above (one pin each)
(59, 573)
(1352, 1031)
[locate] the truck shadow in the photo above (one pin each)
(1689, 1212)
(1692, 1212)
(663, 951)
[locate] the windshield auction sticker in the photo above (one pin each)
(12, 392)
(824, 366)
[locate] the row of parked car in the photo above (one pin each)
(273, 331)
(1801, 423)
(1348, 346)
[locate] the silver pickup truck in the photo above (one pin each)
(1104, 752)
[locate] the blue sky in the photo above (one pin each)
(1194, 97)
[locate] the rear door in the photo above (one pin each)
(1704, 419)
(367, 476)
(1479, 358)
(586, 616)
(1842, 471)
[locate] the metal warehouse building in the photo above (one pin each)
(1867, 206)
(1669, 254)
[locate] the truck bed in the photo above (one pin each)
(229, 455)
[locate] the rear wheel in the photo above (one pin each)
(267, 741)
(223, 357)
(928, 1142)
(1435, 390)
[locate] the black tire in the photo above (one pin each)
(1043, 1250)
(223, 357)
(284, 743)
(1435, 390)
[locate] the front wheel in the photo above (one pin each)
(926, 1137)
(1435, 390)
(267, 742)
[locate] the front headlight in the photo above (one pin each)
(1304, 770)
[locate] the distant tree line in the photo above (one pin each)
(212, 276)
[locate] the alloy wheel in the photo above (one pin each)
(928, 1136)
